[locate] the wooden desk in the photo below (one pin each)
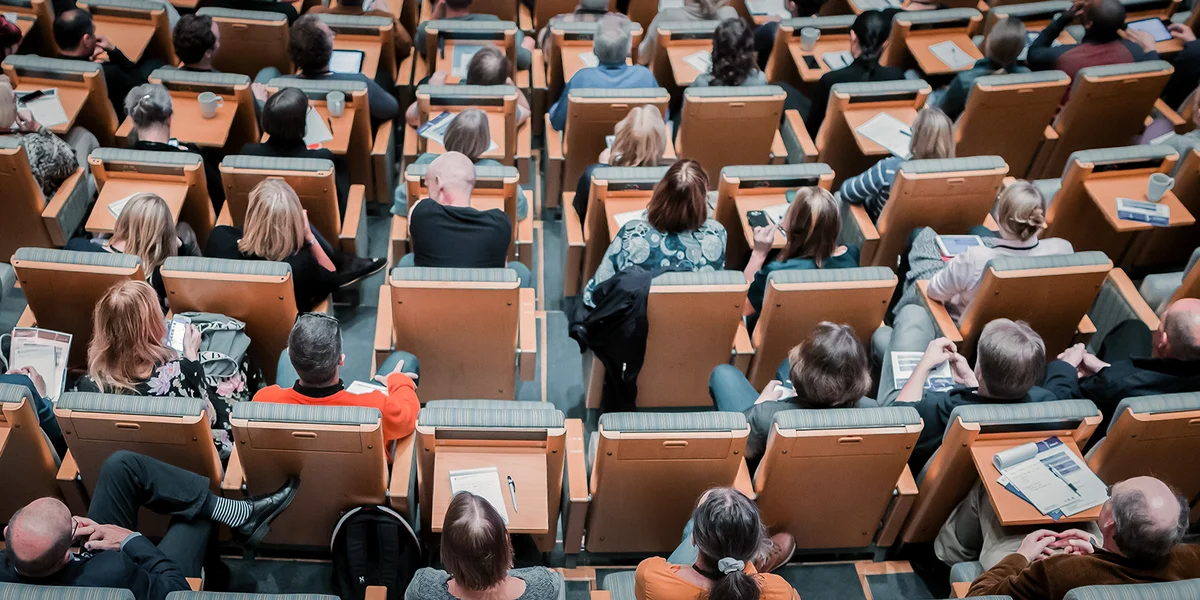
(684, 73)
(1010, 509)
(339, 126)
(131, 36)
(616, 206)
(24, 23)
(102, 221)
(366, 44)
(528, 470)
(571, 63)
(189, 125)
(918, 44)
(823, 45)
(71, 97)
(751, 202)
(855, 118)
(448, 55)
(1105, 190)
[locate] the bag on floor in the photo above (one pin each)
(374, 546)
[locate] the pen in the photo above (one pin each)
(512, 491)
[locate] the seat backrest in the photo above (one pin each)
(171, 429)
(593, 114)
(693, 318)
(239, 596)
(623, 183)
(950, 195)
(337, 450)
(711, 113)
(222, 286)
(375, 32)
(62, 288)
(1051, 293)
(311, 178)
(641, 13)
(463, 325)
(548, 9)
(442, 36)
(508, 430)
(950, 473)
(1108, 106)
(233, 86)
(250, 40)
(28, 463)
(1188, 588)
(1007, 115)
(782, 66)
(897, 54)
(23, 225)
(96, 113)
(827, 475)
(121, 18)
(21, 591)
(744, 188)
(179, 168)
(1035, 15)
(648, 471)
(695, 36)
(362, 136)
(1146, 436)
(795, 301)
(835, 140)
(579, 36)
(41, 33)
(507, 11)
(1167, 247)
(498, 101)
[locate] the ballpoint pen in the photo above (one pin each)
(512, 491)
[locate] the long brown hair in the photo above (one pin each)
(127, 337)
(146, 227)
(475, 546)
(812, 224)
(679, 202)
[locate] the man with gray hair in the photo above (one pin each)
(587, 11)
(611, 45)
(1140, 530)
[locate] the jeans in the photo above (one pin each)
(129, 481)
(45, 412)
(732, 392)
(913, 331)
(286, 376)
(685, 553)
(523, 273)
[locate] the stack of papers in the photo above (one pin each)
(47, 109)
(625, 217)
(362, 387)
(889, 132)
(1048, 475)
(700, 61)
(903, 364)
(1157, 214)
(837, 60)
(776, 213)
(435, 129)
(589, 59)
(118, 207)
(948, 52)
(44, 351)
(768, 8)
(463, 53)
(316, 131)
(485, 483)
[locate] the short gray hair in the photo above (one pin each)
(315, 347)
(1137, 533)
(1011, 357)
(148, 104)
(613, 42)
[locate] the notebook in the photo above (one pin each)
(118, 207)
(47, 108)
(701, 61)
(904, 363)
(463, 53)
(483, 482)
(954, 57)
(889, 132)
(589, 59)
(316, 130)
(837, 60)
(625, 217)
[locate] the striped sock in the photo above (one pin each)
(226, 511)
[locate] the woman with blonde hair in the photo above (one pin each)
(51, 159)
(932, 137)
(1004, 44)
(127, 355)
(639, 140)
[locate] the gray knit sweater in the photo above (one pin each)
(431, 584)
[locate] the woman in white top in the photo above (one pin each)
(1021, 214)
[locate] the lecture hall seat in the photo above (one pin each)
(1006, 116)
(711, 114)
(80, 86)
(32, 220)
(250, 40)
(28, 464)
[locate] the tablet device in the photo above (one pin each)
(346, 61)
(953, 245)
(1154, 27)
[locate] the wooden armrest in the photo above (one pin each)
(941, 318)
(537, 70)
(1129, 293)
(195, 583)
(991, 223)
(959, 589)
(402, 473)
(742, 481)
(1049, 133)
(1086, 327)
(383, 326)
(868, 236)
(355, 219)
(863, 220)
(778, 149)
(671, 152)
(57, 204)
(1177, 122)
(410, 140)
(554, 141)
(897, 514)
(383, 138)
(124, 131)
(235, 476)
(579, 497)
(743, 348)
(225, 217)
(375, 592)
(527, 334)
(601, 595)
(404, 72)
(808, 149)
(576, 244)
(68, 470)
(71, 486)
(27, 319)
(399, 239)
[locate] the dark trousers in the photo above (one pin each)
(1127, 340)
(129, 481)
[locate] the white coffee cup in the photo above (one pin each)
(336, 103)
(1159, 184)
(209, 102)
(809, 37)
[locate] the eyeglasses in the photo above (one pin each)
(318, 315)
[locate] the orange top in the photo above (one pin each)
(658, 579)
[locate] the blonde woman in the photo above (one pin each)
(51, 159)
(640, 140)
(146, 230)
(932, 137)
(127, 355)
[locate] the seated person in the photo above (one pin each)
(1010, 359)
(692, 10)
(764, 35)
(1133, 362)
(868, 39)
(470, 134)
(1184, 143)
(488, 66)
(283, 119)
(75, 34)
(676, 232)
(734, 61)
(830, 369)
(1103, 44)
(128, 355)
(403, 41)
(149, 107)
(1005, 41)
(716, 559)
(51, 160)
(276, 228)
(39, 537)
(639, 140)
(1142, 527)
(146, 230)
(611, 44)
(43, 406)
(932, 137)
(811, 227)
(478, 557)
(10, 37)
(587, 11)
(1187, 68)
(445, 231)
(315, 353)
(460, 10)
(197, 39)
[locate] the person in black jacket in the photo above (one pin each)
(75, 34)
(1187, 67)
(39, 537)
(149, 107)
(868, 38)
(1133, 362)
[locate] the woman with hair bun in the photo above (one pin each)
(868, 40)
(149, 107)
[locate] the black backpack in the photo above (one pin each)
(374, 545)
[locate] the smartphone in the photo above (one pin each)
(758, 218)
(176, 331)
(811, 61)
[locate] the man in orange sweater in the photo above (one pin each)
(315, 353)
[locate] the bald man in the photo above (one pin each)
(445, 231)
(1133, 362)
(1141, 527)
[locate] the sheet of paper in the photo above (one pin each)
(362, 387)
(625, 217)
(768, 8)
(46, 352)
(589, 59)
(435, 129)
(837, 60)
(948, 52)
(11, 17)
(776, 213)
(1051, 477)
(316, 130)
(118, 207)
(663, 4)
(904, 363)
(889, 132)
(463, 53)
(47, 109)
(701, 61)
(1040, 486)
(483, 482)
(608, 141)
(1069, 467)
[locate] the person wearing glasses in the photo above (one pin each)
(314, 361)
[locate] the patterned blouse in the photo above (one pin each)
(638, 243)
(51, 159)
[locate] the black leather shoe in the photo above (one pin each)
(357, 268)
(263, 510)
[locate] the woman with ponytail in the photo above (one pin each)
(868, 39)
(716, 561)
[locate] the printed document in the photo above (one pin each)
(889, 132)
(44, 351)
(904, 363)
(589, 59)
(118, 207)
(1051, 477)
(463, 53)
(948, 52)
(768, 8)
(47, 108)
(776, 213)
(700, 61)
(483, 482)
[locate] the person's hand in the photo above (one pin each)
(764, 238)
(84, 528)
(1090, 365)
(38, 383)
(528, 43)
(25, 121)
(1075, 9)
(438, 78)
(259, 90)
(1141, 38)
(605, 155)
(962, 373)
(106, 537)
(1182, 33)
(1036, 545)
(939, 351)
(103, 42)
(771, 393)
(1075, 541)
(191, 343)
(399, 368)
(1074, 355)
